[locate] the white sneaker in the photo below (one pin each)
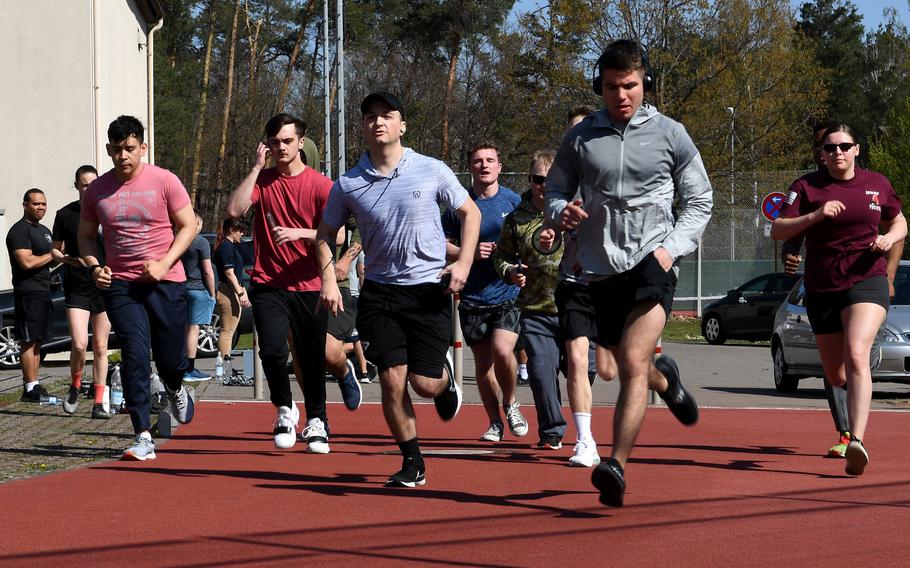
(317, 439)
(494, 434)
(286, 426)
(142, 449)
(517, 423)
(585, 454)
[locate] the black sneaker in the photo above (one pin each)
(99, 413)
(549, 442)
(411, 474)
(34, 395)
(678, 400)
(448, 403)
(71, 402)
(857, 457)
(608, 479)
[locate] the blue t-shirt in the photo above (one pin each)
(398, 216)
(484, 286)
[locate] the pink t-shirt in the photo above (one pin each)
(294, 201)
(135, 218)
(837, 250)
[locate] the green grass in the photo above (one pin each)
(245, 341)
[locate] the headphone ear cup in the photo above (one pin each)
(596, 85)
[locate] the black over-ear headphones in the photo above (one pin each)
(647, 80)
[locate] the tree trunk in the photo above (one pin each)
(292, 60)
(447, 105)
(255, 54)
(203, 101)
(225, 119)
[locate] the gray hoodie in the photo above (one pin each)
(628, 180)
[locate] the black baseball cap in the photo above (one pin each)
(387, 98)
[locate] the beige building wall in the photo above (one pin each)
(48, 122)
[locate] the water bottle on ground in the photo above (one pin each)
(116, 390)
(49, 401)
(219, 369)
(228, 371)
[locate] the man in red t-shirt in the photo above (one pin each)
(139, 206)
(288, 201)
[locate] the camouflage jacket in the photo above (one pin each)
(520, 240)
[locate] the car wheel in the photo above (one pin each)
(783, 380)
(207, 346)
(712, 329)
(9, 348)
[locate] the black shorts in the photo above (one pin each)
(34, 317)
(615, 297)
(88, 298)
(478, 321)
(824, 308)
(406, 325)
(341, 325)
(576, 311)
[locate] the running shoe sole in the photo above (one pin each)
(678, 400)
(608, 479)
(857, 458)
(445, 406)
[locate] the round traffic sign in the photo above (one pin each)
(771, 204)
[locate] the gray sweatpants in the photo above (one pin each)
(540, 335)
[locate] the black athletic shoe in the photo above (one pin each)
(608, 479)
(678, 400)
(34, 395)
(99, 413)
(412, 473)
(448, 402)
(549, 442)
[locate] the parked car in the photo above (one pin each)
(9, 347)
(795, 354)
(746, 312)
(208, 334)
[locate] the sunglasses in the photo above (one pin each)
(844, 146)
(537, 179)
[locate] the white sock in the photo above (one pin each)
(523, 370)
(30, 386)
(582, 424)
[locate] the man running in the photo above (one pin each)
(138, 206)
(289, 200)
(489, 317)
(629, 161)
(404, 311)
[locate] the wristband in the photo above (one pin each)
(91, 269)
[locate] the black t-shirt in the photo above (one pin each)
(66, 229)
(36, 238)
(227, 256)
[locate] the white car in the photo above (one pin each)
(795, 353)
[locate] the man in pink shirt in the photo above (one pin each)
(138, 207)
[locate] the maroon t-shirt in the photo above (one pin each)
(294, 201)
(837, 250)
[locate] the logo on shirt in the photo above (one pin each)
(47, 238)
(874, 203)
(416, 195)
(791, 197)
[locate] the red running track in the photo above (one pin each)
(743, 488)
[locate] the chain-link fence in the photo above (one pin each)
(736, 244)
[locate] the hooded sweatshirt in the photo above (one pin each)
(628, 179)
(398, 216)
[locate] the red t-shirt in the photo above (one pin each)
(135, 218)
(294, 201)
(837, 250)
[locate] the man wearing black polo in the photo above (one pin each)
(31, 254)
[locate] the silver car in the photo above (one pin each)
(795, 353)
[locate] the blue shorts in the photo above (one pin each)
(199, 307)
